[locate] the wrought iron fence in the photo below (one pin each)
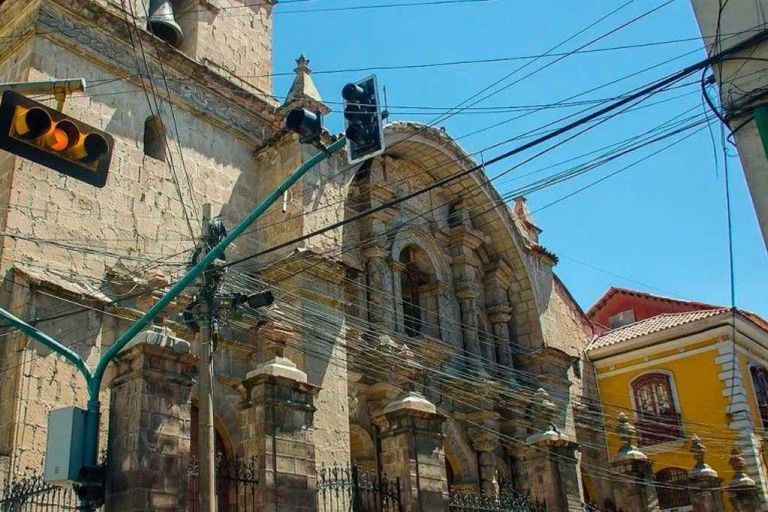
(356, 489)
(236, 484)
(507, 501)
(33, 495)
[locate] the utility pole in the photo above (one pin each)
(206, 455)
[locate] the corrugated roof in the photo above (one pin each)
(652, 325)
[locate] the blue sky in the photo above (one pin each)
(659, 226)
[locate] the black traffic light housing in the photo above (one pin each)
(363, 120)
(308, 124)
(44, 135)
(91, 485)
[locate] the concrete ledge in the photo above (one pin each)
(279, 367)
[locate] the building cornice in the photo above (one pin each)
(96, 33)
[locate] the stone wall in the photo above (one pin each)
(231, 37)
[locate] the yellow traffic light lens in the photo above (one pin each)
(31, 123)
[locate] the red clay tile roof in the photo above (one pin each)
(652, 325)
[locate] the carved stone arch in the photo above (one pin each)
(447, 306)
(459, 453)
(227, 415)
(362, 449)
(418, 237)
(440, 156)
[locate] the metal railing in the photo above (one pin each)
(507, 501)
(236, 484)
(33, 495)
(356, 489)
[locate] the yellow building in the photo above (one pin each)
(679, 368)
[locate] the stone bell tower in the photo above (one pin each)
(232, 37)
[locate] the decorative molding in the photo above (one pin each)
(188, 91)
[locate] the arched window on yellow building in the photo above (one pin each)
(760, 383)
(658, 418)
(672, 488)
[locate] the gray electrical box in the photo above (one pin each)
(64, 447)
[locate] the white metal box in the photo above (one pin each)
(64, 447)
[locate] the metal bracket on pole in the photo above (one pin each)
(56, 88)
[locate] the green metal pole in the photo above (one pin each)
(761, 120)
(47, 341)
(94, 383)
(93, 378)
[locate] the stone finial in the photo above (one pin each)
(700, 468)
(523, 215)
(541, 410)
(626, 432)
(303, 93)
(737, 462)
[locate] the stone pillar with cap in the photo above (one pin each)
(706, 495)
(412, 451)
(552, 458)
(485, 443)
(742, 490)
(277, 416)
(149, 416)
(635, 491)
(380, 291)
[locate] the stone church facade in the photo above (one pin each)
(430, 341)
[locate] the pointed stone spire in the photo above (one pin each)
(303, 93)
(626, 432)
(530, 230)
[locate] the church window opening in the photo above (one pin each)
(418, 293)
(154, 138)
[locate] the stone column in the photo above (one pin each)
(706, 495)
(379, 285)
(742, 490)
(468, 308)
(636, 490)
(276, 428)
(149, 421)
(485, 444)
(412, 450)
(397, 295)
(499, 316)
(498, 277)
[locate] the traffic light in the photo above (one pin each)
(46, 136)
(91, 485)
(309, 125)
(362, 117)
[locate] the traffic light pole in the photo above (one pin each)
(95, 376)
(206, 456)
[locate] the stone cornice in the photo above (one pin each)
(86, 28)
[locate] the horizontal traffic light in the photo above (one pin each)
(46, 136)
(309, 125)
